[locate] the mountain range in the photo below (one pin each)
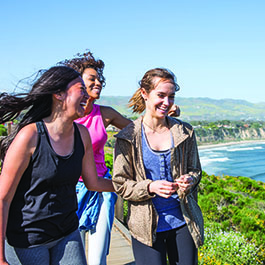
(200, 108)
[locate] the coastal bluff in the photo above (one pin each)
(219, 135)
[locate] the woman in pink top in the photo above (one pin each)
(96, 209)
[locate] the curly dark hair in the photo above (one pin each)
(37, 103)
(86, 60)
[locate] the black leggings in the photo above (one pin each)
(177, 244)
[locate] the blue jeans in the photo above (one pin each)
(99, 237)
(67, 251)
(89, 204)
(96, 215)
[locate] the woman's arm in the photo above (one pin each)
(113, 117)
(123, 180)
(194, 165)
(188, 182)
(89, 171)
(16, 161)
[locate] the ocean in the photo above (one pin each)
(244, 159)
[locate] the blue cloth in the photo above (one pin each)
(157, 167)
(89, 205)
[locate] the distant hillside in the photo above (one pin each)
(201, 108)
(119, 103)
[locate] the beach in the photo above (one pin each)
(237, 158)
(208, 146)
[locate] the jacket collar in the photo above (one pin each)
(179, 129)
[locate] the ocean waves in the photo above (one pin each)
(206, 161)
(235, 160)
(244, 149)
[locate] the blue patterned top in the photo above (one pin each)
(157, 167)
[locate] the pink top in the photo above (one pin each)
(94, 123)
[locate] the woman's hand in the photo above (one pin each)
(163, 188)
(174, 111)
(185, 183)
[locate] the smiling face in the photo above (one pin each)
(75, 98)
(160, 99)
(92, 83)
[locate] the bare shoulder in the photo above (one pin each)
(28, 134)
(108, 112)
(26, 140)
(84, 134)
(82, 128)
(113, 117)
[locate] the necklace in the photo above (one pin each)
(155, 130)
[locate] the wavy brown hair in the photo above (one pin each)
(85, 60)
(137, 102)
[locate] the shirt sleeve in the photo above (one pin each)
(125, 180)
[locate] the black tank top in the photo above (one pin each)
(44, 206)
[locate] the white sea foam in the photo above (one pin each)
(221, 148)
(225, 160)
(206, 161)
(208, 153)
(244, 149)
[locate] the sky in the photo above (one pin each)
(216, 48)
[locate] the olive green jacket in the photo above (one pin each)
(131, 184)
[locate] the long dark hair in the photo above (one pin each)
(36, 104)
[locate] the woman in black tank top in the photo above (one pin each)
(43, 159)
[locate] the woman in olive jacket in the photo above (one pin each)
(157, 169)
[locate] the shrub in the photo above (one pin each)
(229, 248)
(109, 162)
(3, 130)
(237, 204)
